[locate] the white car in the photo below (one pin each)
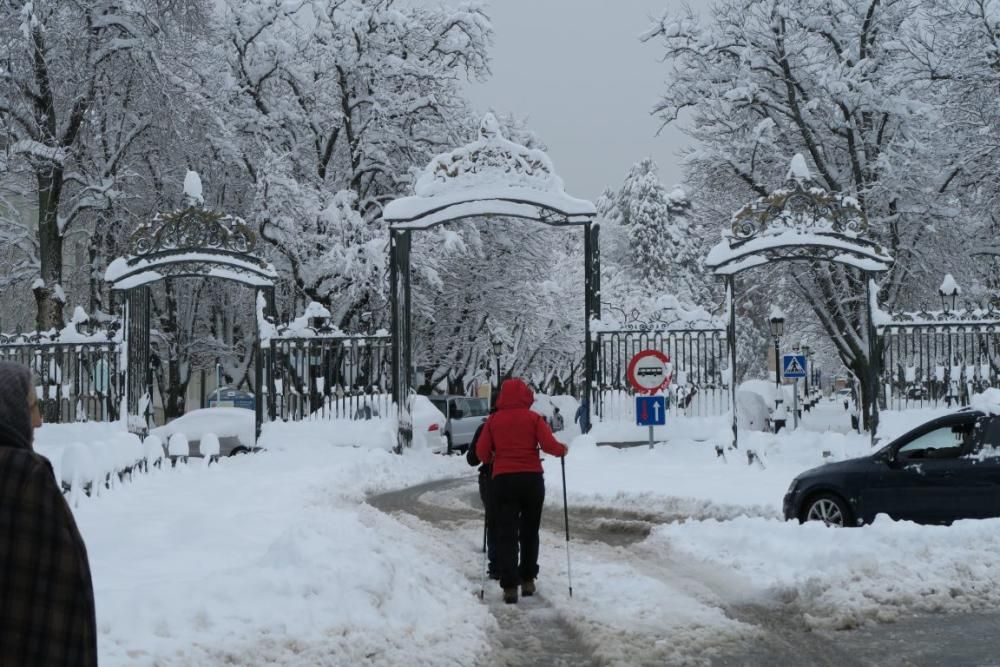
(428, 425)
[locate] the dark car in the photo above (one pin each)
(941, 471)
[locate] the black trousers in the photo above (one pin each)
(489, 508)
(519, 497)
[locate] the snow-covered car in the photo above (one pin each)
(234, 427)
(428, 425)
(944, 470)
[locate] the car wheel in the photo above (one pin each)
(828, 508)
(239, 449)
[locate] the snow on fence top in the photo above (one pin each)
(672, 316)
(972, 319)
(799, 220)
(314, 323)
(490, 176)
(70, 334)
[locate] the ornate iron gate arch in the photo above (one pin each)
(800, 221)
(490, 177)
(189, 242)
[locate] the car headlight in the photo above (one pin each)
(793, 486)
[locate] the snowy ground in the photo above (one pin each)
(276, 558)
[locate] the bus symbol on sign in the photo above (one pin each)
(650, 371)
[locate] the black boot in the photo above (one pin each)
(510, 595)
(528, 587)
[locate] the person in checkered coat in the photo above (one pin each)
(46, 596)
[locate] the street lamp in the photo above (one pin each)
(497, 345)
(777, 323)
(807, 351)
(949, 292)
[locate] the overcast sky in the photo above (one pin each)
(577, 71)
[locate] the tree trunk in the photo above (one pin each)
(48, 292)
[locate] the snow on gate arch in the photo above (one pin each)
(489, 177)
(799, 221)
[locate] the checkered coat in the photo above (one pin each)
(46, 596)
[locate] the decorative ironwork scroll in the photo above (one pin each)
(492, 153)
(194, 229)
(801, 205)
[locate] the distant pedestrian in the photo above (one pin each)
(46, 596)
(510, 440)
(557, 420)
(486, 496)
(583, 416)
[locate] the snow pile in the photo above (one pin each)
(987, 402)
(798, 169)
(949, 286)
(178, 445)
(152, 450)
(285, 567)
(208, 446)
(841, 578)
(192, 188)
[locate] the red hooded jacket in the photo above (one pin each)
(512, 435)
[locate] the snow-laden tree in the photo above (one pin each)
(955, 47)
(328, 106)
(763, 80)
(649, 246)
(65, 65)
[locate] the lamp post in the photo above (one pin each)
(949, 292)
(497, 345)
(777, 323)
(808, 399)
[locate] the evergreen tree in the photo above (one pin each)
(650, 238)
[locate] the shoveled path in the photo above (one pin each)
(534, 633)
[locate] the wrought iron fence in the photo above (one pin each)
(943, 358)
(328, 377)
(75, 381)
(698, 355)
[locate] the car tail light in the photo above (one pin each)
(433, 427)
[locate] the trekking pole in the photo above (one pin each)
(482, 587)
(569, 571)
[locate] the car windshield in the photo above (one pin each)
(473, 407)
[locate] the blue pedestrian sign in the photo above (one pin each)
(794, 366)
(650, 410)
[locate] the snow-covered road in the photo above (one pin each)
(679, 557)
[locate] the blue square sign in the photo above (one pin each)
(650, 410)
(794, 366)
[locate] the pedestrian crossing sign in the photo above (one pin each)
(794, 366)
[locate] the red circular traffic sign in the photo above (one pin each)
(650, 371)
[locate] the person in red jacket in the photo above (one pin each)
(510, 441)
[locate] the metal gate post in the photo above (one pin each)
(592, 296)
(873, 361)
(731, 340)
(399, 276)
